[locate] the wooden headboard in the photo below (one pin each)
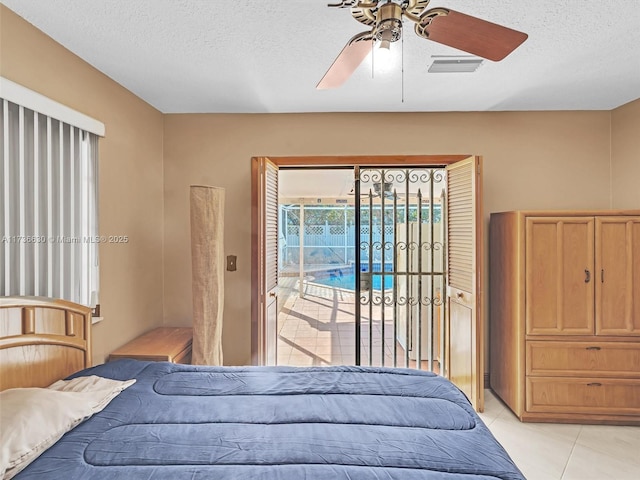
(42, 340)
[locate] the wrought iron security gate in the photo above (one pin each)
(400, 267)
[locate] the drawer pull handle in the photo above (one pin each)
(594, 384)
(587, 277)
(593, 348)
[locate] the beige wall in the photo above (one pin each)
(625, 156)
(532, 160)
(131, 175)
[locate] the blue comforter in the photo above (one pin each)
(186, 422)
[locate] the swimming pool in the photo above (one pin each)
(348, 281)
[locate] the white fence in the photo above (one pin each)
(328, 244)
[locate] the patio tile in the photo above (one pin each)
(283, 359)
(297, 360)
(291, 330)
(289, 333)
(347, 326)
(306, 332)
(305, 341)
(324, 350)
(288, 324)
(347, 334)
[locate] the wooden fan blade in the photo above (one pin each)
(474, 35)
(346, 63)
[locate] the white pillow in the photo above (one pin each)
(33, 419)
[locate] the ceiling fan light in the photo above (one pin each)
(383, 56)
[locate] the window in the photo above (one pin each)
(48, 220)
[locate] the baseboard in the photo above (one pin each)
(487, 383)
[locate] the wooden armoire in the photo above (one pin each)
(565, 315)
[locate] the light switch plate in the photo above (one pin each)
(231, 263)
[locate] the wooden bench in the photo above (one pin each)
(163, 344)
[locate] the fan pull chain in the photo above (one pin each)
(402, 64)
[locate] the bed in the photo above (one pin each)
(191, 422)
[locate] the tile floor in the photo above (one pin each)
(319, 330)
(565, 452)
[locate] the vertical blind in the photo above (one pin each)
(48, 220)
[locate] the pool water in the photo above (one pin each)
(348, 281)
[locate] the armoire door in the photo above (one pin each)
(617, 275)
(559, 275)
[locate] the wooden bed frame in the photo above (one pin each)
(42, 340)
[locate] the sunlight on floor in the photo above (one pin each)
(318, 329)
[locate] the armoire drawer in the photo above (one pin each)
(583, 395)
(577, 359)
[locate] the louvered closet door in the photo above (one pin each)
(269, 231)
(464, 250)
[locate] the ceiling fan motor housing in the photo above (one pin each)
(389, 23)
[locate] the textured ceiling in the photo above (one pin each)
(267, 56)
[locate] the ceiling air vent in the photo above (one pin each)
(455, 65)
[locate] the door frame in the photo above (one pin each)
(258, 340)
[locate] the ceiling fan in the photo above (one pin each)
(375, 190)
(441, 25)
